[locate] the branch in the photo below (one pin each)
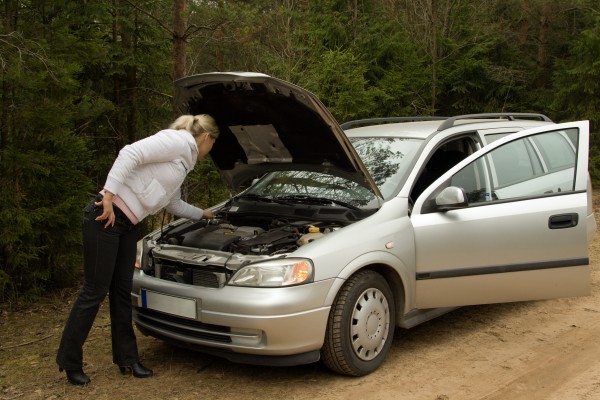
(157, 92)
(167, 29)
(26, 343)
(193, 28)
(22, 48)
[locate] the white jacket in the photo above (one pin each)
(148, 174)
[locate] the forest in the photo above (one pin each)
(82, 78)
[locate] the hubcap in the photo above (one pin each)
(370, 324)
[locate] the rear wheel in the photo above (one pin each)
(361, 325)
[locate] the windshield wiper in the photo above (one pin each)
(317, 200)
(267, 199)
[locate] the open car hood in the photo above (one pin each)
(268, 124)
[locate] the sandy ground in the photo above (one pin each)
(531, 350)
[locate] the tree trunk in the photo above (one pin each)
(543, 39)
(524, 29)
(129, 44)
(116, 80)
(10, 26)
(434, 52)
(179, 28)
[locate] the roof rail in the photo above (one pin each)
(373, 121)
(450, 122)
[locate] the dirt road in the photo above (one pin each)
(535, 350)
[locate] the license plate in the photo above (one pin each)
(180, 306)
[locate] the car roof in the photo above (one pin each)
(425, 127)
(418, 130)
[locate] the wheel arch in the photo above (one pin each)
(393, 271)
(396, 285)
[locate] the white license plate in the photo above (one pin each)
(179, 306)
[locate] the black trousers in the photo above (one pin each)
(108, 261)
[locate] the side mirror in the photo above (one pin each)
(451, 198)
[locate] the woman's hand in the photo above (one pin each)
(108, 213)
(207, 214)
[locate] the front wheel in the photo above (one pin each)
(361, 325)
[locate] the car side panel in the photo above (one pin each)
(462, 255)
(506, 287)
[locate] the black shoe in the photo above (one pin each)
(137, 370)
(76, 376)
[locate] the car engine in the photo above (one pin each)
(280, 236)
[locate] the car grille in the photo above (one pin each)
(181, 326)
(206, 276)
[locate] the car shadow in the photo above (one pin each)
(439, 332)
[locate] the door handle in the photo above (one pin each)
(562, 221)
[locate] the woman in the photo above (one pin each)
(145, 177)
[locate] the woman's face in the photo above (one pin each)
(205, 143)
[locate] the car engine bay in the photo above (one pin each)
(209, 252)
(280, 236)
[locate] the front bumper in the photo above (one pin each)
(285, 326)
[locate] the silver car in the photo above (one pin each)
(339, 234)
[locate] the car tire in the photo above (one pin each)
(361, 325)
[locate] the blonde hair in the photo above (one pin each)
(197, 125)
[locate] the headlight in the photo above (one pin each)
(274, 273)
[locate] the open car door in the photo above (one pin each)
(509, 223)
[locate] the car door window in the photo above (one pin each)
(539, 165)
(556, 150)
(515, 162)
(474, 180)
(446, 156)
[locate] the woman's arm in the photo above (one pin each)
(180, 208)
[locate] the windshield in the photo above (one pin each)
(387, 160)
(298, 185)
